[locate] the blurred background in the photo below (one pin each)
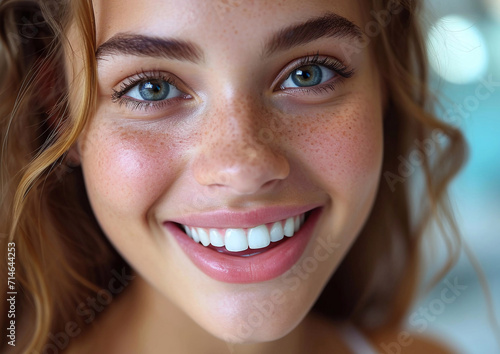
(463, 39)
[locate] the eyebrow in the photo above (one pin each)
(145, 46)
(328, 25)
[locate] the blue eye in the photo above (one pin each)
(153, 90)
(308, 76)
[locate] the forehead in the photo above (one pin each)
(215, 21)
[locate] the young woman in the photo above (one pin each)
(196, 176)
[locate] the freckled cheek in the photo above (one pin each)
(128, 176)
(345, 150)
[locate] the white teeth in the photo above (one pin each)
(216, 238)
(205, 241)
(277, 232)
(258, 237)
(236, 240)
(296, 225)
(289, 227)
(194, 234)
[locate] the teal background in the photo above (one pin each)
(463, 323)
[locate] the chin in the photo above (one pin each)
(255, 314)
(251, 333)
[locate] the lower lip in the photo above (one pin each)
(245, 270)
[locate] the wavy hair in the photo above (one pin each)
(62, 255)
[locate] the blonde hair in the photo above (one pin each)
(62, 256)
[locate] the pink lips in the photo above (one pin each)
(268, 264)
(226, 219)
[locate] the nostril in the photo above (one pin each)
(245, 172)
(270, 184)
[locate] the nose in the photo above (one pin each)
(238, 151)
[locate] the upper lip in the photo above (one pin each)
(225, 218)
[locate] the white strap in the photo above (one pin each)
(355, 340)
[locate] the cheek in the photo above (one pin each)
(126, 169)
(342, 147)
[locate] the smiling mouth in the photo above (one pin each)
(250, 253)
(245, 242)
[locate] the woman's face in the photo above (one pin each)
(236, 119)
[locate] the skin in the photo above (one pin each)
(204, 153)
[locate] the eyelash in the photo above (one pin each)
(333, 64)
(128, 84)
(119, 97)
